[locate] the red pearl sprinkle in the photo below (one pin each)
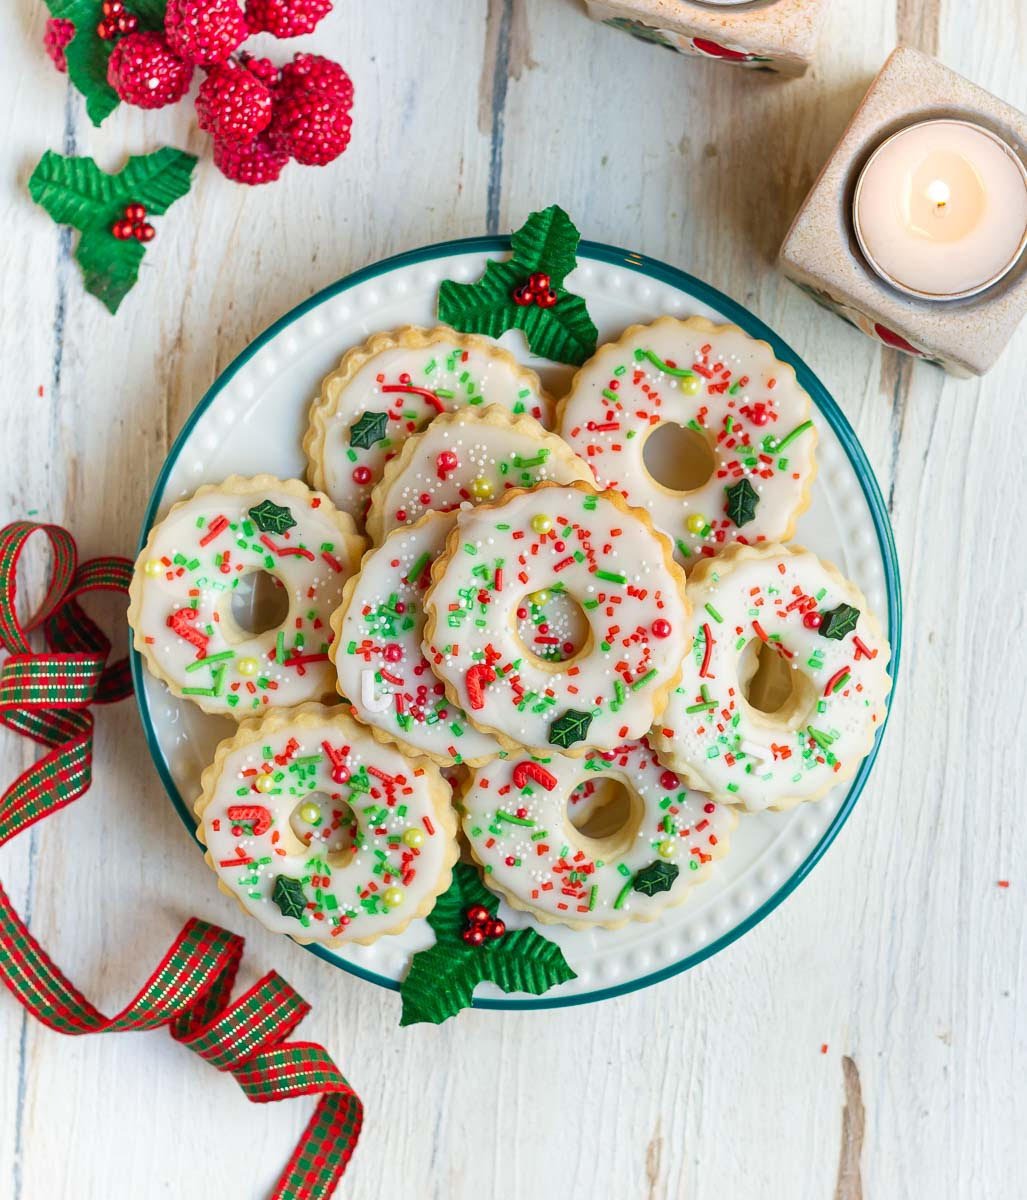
(496, 928)
(812, 620)
(522, 813)
(393, 652)
(447, 461)
(361, 475)
(708, 808)
(474, 935)
(668, 780)
(569, 647)
(760, 415)
(661, 628)
(522, 614)
(477, 914)
(400, 607)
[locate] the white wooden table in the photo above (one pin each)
(867, 1039)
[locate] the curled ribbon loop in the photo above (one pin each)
(46, 696)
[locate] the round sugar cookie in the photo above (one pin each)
(377, 650)
(786, 684)
(211, 553)
(467, 457)
(606, 559)
(390, 388)
(700, 425)
(321, 832)
(636, 840)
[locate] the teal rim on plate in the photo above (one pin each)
(824, 402)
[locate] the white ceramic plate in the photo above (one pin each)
(253, 419)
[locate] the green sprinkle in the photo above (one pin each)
(211, 658)
(714, 614)
(623, 894)
(790, 437)
(415, 571)
(611, 577)
(666, 368)
(513, 819)
(640, 683)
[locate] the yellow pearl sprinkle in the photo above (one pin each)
(248, 666)
(413, 837)
(541, 523)
(691, 385)
(481, 488)
(153, 567)
(667, 848)
(264, 783)
(540, 598)
(310, 813)
(393, 897)
(696, 523)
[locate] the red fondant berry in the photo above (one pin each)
(145, 71)
(661, 628)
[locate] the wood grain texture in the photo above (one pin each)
(899, 953)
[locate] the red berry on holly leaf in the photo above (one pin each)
(122, 229)
(135, 212)
(495, 929)
(478, 914)
(286, 18)
(474, 935)
(126, 23)
(144, 232)
(523, 295)
(56, 36)
(539, 282)
(233, 104)
(145, 71)
(546, 299)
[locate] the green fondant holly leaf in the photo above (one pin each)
(87, 54)
(442, 979)
(367, 429)
(272, 518)
(287, 893)
(564, 332)
(657, 877)
(839, 621)
(742, 499)
(569, 728)
(74, 191)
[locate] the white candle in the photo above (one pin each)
(940, 209)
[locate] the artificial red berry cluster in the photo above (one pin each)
(133, 225)
(481, 924)
(537, 290)
(260, 116)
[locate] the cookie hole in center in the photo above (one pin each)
(779, 694)
(552, 627)
(679, 459)
(260, 602)
(325, 826)
(604, 816)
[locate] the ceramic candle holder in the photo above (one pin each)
(821, 252)
(775, 35)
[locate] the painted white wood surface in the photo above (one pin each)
(900, 954)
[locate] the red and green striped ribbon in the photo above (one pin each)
(46, 696)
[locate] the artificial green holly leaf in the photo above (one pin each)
(74, 191)
(272, 518)
(742, 499)
(548, 242)
(288, 894)
(442, 979)
(87, 54)
(657, 877)
(570, 728)
(563, 332)
(839, 621)
(367, 429)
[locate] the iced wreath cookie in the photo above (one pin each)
(321, 832)
(195, 561)
(700, 425)
(609, 560)
(390, 388)
(471, 456)
(377, 650)
(786, 684)
(629, 858)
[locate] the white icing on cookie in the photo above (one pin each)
(604, 556)
(746, 450)
(377, 649)
(196, 558)
(770, 711)
(321, 832)
(390, 388)
(472, 456)
(659, 836)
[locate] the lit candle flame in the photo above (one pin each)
(939, 195)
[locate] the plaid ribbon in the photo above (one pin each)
(46, 697)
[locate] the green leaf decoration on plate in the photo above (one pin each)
(742, 500)
(288, 895)
(442, 979)
(546, 243)
(839, 621)
(569, 728)
(87, 54)
(657, 877)
(272, 518)
(367, 429)
(74, 191)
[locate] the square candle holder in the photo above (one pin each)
(821, 252)
(775, 35)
